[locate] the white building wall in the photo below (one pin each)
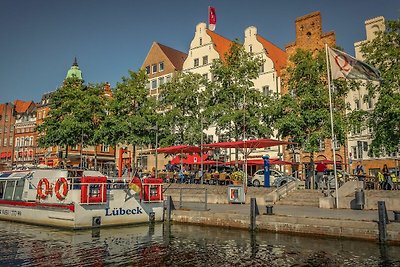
(358, 142)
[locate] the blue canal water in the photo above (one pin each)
(181, 245)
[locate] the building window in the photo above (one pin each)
(31, 141)
(205, 60)
(11, 141)
(354, 149)
(105, 148)
(154, 68)
(1, 129)
(262, 68)
(369, 102)
(5, 141)
(196, 62)
(321, 145)
(6, 118)
(251, 48)
(266, 91)
(148, 70)
(39, 115)
(161, 66)
(5, 129)
(160, 81)
(201, 41)
(154, 84)
(357, 104)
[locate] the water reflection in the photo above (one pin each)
(181, 245)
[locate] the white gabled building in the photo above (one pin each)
(274, 58)
(360, 139)
(207, 46)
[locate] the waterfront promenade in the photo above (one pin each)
(296, 219)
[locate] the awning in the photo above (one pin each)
(3, 155)
(190, 159)
(256, 143)
(179, 149)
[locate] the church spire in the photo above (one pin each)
(75, 62)
(74, 71)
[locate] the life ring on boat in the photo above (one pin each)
(64, 183)
(43, 193)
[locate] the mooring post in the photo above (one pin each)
(383, 220)
(170, 207)
(253, 214)
(205, 200)
(180, 198)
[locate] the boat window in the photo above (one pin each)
(5, 174)
(2, 186)
(9, 190)
(12, 189)
(19, 189)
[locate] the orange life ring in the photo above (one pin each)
(61, 195)
(43, 193)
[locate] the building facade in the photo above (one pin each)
(7, 121)
(309, 36)
(25, 134)
(360, 139)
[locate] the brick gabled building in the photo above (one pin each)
(7, 121)
(161, 63)
(309, 36)
(24, 133)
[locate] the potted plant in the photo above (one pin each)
(237, 177)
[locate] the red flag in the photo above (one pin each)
(212, 18)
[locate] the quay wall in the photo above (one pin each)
(339, 228)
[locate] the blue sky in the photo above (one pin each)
(40, 38)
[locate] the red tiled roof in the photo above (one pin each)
(277, 55)
(176, 57)
(22, 106)
(221, 44)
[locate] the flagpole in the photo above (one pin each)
(333, 134)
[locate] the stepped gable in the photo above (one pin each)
(278, 56)
(221, 44)
(176, 57)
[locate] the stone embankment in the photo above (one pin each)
(297, 212)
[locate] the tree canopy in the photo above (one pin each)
(76, 111)
(181, 103)
(303, 114)
(234, 107)
(383, 52)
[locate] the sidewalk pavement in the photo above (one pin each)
(303, 211)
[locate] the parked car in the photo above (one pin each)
(276, 178)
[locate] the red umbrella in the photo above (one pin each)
(190, 159)
(210, 162)
(257, 143)
(179, 149)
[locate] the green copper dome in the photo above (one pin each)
(74, 71)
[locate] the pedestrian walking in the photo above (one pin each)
(360, 171)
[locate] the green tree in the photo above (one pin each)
(383, 52)
(303, 114)
(131, 113)
(181, 103)
(75, 112)
(234, 107)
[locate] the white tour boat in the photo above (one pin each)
(78, 199)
